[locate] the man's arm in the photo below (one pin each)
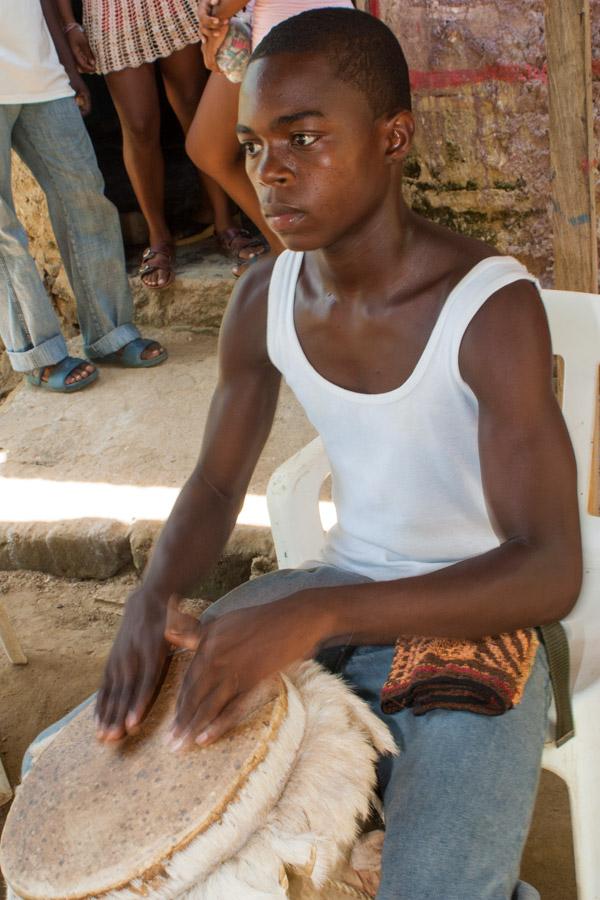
(532, 578)
(239, 421)
(82, 94)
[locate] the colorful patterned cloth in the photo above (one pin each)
(487, 676)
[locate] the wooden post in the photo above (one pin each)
(8, 639)
(569, 55)
(5, 788)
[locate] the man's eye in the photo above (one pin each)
(304, 140)
(250, 148)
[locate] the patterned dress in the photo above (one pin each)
(127, 33)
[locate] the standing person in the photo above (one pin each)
(424, 361)
(41, 121)
(212, 143)
(122, 39)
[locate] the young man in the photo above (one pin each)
(424, 361)
(41, 121)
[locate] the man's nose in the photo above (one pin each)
(272, 169)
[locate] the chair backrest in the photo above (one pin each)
(574, 320)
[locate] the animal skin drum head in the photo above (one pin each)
(91, 818)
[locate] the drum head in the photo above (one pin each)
(90, 818)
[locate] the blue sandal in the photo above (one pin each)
(130, 356)
(58, 376)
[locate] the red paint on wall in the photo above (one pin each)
(458, 77)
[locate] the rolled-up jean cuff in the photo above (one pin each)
(46, 354)
(113, 341)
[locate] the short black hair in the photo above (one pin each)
(363, 51)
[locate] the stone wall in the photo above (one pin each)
(481, 162)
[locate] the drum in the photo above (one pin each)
(283, 792)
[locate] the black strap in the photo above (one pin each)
(554, 639)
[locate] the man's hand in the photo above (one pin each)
(134, 670)
(81, 50)
(235, 655)
(83, 98)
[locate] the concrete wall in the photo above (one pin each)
(480, 89)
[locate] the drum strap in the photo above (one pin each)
(554, 639)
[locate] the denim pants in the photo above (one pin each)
(458, 798)
(53, 142)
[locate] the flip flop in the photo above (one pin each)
(57, 379)
(130, 356)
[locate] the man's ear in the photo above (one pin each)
(399, 130)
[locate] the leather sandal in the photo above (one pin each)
(160, 258)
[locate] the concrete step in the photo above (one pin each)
(87, 479)
(199, 294)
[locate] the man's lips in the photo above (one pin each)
(282, 218)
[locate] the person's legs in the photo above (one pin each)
(52, 140)
(212, 145)
(459, 796)
(29, 326)
(185, 77)
(135, 95)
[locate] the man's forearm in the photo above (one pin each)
(57, 35)
(191, 541)
(510, 587)
(65, 11)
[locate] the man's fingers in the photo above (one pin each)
(189, 722)
(181, 629)
(144, 695)
(238, 710)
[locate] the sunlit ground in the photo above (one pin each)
(41, 500)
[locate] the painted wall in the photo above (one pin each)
(481, 162)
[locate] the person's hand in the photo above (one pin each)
(81, 50)
(210, 48)
(209, 22)
(235, 655)
(135, 668)
(83, 98)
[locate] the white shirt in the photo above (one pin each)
(30, 71)
(406, 476)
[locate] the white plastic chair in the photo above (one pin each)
(293, 502)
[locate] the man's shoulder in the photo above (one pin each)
(251, 292)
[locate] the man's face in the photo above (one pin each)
(314, 153)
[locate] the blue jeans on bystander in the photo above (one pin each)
(52, 141)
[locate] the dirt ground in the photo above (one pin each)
(67, 627)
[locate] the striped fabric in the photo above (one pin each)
(487, 676)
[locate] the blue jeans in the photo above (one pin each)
(459, 796)
(52, 141)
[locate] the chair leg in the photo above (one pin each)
(5, 788)
(9, 640)
(577, 764)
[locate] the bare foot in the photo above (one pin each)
(151, 352)
(78, 374)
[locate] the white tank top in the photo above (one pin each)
(406, 477)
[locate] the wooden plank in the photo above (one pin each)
(9, 640)
(5, 788)
(569, 55)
